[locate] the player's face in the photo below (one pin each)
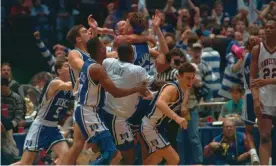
(6, 71)
(85, 35)
(128, 30)
(186, 80)
(270, 29)
(64, 72)
(121, 27)
(102, 51)
(229, 129)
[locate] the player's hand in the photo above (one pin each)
(184, 112)
(149, 96)
(258, 83)
(182, 122)
(92, 22)
(37, 35)
(142, 88)
(58, 46)
(215, 145)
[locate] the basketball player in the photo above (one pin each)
(118, 110)
(263, 87)
(93, 83)
(248, 114)
(160, 112)
(43, 133)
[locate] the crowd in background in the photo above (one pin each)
(198, 31)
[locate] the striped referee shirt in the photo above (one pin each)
(168, 75)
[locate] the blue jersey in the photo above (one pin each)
(74, 75)
(51, 109)
(246, 71)
(142, 56)
(90, 93)
(156, 117)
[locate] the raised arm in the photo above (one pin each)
(98, 74)
(57, 85)
(75, 60)
(45, 52)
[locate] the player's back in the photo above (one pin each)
(124, 75)
(51, 109)
(90, 93)
(267, 69)
(74, 74)
(155, 117)
(142, 56)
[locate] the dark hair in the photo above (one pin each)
(93, 45)
(138, 22)
(73, 33)
(4, 81)
(59, 63)
(237, 88)
(186, 67)
(206, 42)
(217, 29)
(124, 52)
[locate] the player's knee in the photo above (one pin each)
(265, 138)
(177, 159)
(78, 145)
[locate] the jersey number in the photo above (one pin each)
(269, 73)
(57, 112)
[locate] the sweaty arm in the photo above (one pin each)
(57, 85)
(98, 74)
(75, 60)
(254, 70)
(169, 94)
(131, 39)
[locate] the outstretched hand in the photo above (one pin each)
(92, 22)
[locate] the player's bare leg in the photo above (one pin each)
(265, 126)
(250, 142)
(73, 153)
(60, 149)
(27, 158)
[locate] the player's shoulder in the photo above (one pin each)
(109, 60)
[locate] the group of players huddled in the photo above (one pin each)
(116, 106)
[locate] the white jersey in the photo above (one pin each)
(267, 69)
(124, 75)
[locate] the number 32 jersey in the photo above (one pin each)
(267, 69)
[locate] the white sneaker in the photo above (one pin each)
(255, 160)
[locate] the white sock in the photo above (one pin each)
(253, 152)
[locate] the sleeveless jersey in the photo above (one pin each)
(246, 71)
(267, 69)
(154, 116)
(90, 93)
(142, 56)
(52, 109)
(74, 75)
(124, 75)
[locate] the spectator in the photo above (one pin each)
(111, 19)
(59, 50)
(6, 73)
(233, 107)
(40, 12)
(218, 12)
(12, 105)
(19, 9)
(228, 148)
(9, 151)
(212, 58)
